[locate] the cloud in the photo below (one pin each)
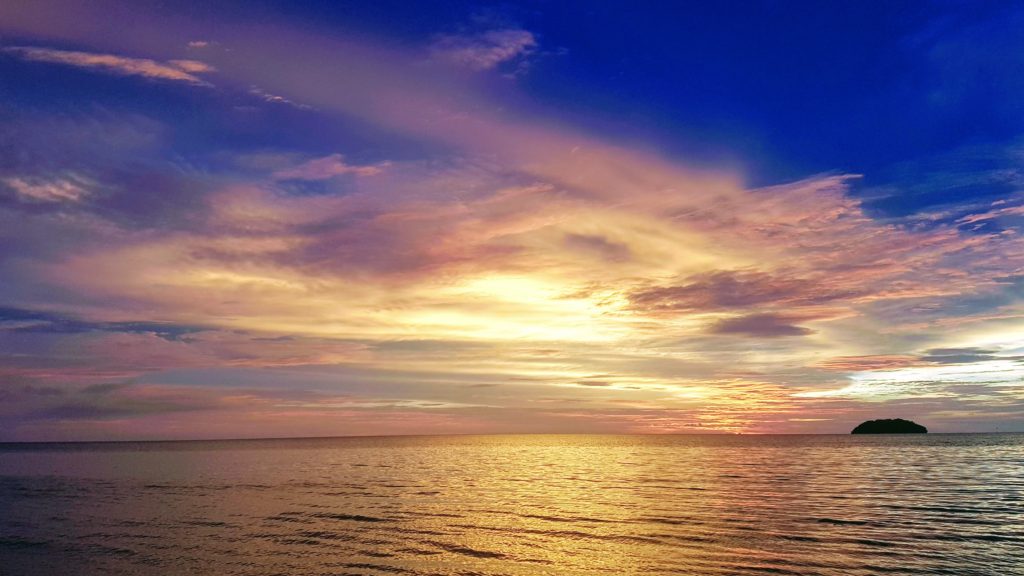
(68, 188)
(275, 99)
(732, 289)
(597, 245)
(760, 326)
(325, 168)
(935, 381)
(25, 321)
(118, 401)
(174, 70)
(104, 388)
(875, 362)
(984, 173)
(487, 50)
(959, 355)
(512, 248)
(999, 211)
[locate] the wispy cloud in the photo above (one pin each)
(737, 289)
(326, 168)
(275, 99)
(760, 325)
(174, 70)
(486, 50)
(67, 188)
(927, 381)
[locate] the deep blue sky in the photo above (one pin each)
(899, 92)
(785, 88)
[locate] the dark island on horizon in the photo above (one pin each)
(889, 426)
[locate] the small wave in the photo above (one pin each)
(326, 535)
(284, 517)
(350, 517)
(300, 541)
(433, 514)
(379, 568)
(877, 543)
(568, 519)
(210, 523)
(798, 538)
(841, 522)
(22, 543)
(418, 551)
(465, 550)
(981, 537)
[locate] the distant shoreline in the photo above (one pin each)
(28, 443)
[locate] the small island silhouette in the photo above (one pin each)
(889, 426)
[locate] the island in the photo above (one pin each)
(889, 426)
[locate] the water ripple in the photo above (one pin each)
(520, 506)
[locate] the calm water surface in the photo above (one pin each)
(490, 505)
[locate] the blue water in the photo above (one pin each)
(517, 505)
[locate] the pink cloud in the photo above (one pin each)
(68, 188)
(325, 168)
(175, 70)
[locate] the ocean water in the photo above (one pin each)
(518, 505)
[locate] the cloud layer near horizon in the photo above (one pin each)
(496, 271)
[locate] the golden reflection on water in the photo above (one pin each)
(521, 505)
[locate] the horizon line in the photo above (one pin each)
(369, 436)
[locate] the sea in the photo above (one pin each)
(517, 505)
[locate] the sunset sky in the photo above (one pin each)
(264, 219)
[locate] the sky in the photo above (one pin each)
(264, 219)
